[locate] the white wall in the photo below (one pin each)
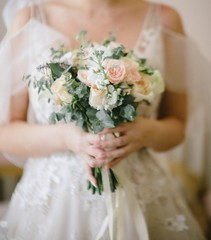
(196, 16)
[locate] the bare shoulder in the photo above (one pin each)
(21, 18)
(171, 19)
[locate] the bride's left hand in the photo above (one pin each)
(132, 136)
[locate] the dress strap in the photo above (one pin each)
(150, 25)
(152, 17)
(37, 11)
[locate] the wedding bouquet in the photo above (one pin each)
(97, 86)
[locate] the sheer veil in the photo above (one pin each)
(13, 6)
(185, 69)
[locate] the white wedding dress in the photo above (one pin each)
(51, 201)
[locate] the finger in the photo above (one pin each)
(93, 162)
(97, 153)
(115, 142)
(119, 152)
(90, 161)
(93, 139)
(113, 163)
(90, 177)
(120, 128)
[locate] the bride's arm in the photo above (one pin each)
(24, 140)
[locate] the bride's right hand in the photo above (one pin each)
(85, 144)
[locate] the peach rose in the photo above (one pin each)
(115, 70)
(133, 75)
(60, 93)
(132, 70)
(142, 90)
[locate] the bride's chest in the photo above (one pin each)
(126, 25)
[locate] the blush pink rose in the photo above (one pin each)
(132, 70)
(133, 75)
(115, 70)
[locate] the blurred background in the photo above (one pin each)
(196, 19)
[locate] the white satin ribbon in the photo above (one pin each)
(114, 221)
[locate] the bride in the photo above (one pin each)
(52, 201)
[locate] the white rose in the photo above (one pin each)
(97, 79)
(83, 76)
(97, 97)
(111, 101)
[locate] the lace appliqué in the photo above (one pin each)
(177, 223)
(147, 37)
(64, 171)
(152, 186)
(148, 189)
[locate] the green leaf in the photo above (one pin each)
(119, 52)
(52, 118)
(97, 125)
(56, 70)
(56, 117)
(91, 113)
(106, 120)
(128, 112)
(59, 116)
(81, 38)
(58, 53)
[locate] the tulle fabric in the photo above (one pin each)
(13, 6)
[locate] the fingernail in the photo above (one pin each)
(93, 183)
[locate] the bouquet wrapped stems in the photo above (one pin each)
(99, 188)
(98, 171)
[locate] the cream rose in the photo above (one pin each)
(96, 97)
(157, 82)
(142, 90)
(83, 76)
(60, 93)
(115, 70)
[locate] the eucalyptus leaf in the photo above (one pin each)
(56, 70)
(128, 112)
(105, 118)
